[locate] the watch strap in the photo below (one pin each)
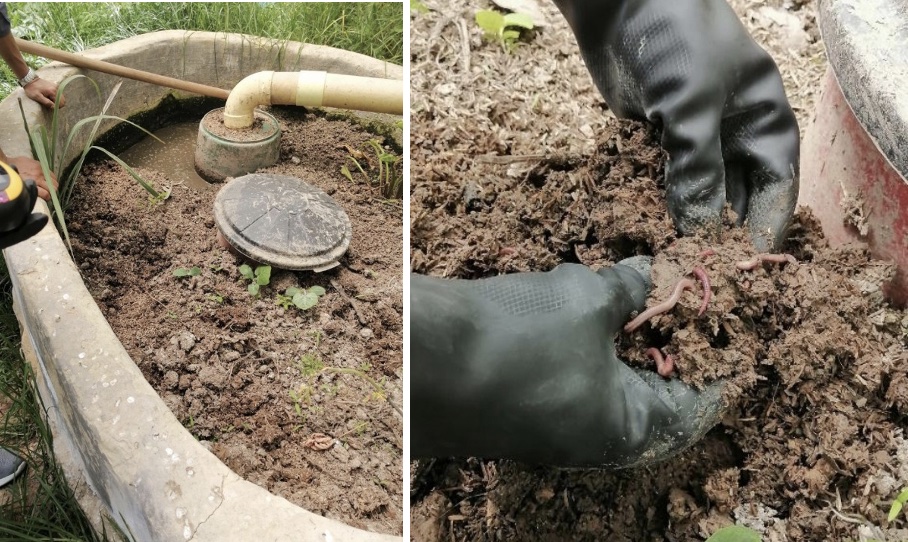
(28, 78)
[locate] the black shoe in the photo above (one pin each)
(11, 466)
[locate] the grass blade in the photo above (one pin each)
(148, 188)
(41, 156)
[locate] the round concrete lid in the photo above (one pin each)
(865, 42)
(283, 222)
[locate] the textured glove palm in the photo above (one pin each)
(689, 67)
(523, 367)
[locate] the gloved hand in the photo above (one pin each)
(523, 367)
(690, 67)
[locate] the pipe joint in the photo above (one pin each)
(311, 89)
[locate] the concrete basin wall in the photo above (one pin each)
(126, 454)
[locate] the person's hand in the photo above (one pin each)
(29, 168)
(690, 67)
(44, 92)
(523, 367)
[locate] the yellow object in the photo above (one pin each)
(10, 183)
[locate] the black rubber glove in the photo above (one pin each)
(523, 367)
(690, 67)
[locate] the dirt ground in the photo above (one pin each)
(304, 403)
(516, 166)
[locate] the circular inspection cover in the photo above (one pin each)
(283, 222)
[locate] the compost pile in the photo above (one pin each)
(303, 403)
(814, 359)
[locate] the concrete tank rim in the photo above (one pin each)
(46, 257)
(862, 39)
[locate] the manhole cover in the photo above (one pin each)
(282, 221)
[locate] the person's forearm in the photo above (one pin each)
(13, 57)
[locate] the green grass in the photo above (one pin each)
(374, 29)
(42, 506)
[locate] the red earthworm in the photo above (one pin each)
(707, 253)
(665, 306)
(664, 366)
(748, 265)
(700, 273)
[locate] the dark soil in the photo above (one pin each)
(264, 387)
(814, 359)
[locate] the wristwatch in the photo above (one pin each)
(29, 77)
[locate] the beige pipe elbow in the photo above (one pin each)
(253, 90)
(311, 89)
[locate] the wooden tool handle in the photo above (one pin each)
(80, 61)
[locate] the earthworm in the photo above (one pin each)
(700, 273)
(707, 253)
(664, 366)
(761, 258)
(665, 306)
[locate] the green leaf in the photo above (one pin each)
(346, 173)
(317, 290)
(132, 173)
(898, 504)
(518, 19)
(305, 300)
(263, 275)
(510, 35)
(894, 510)
(292, 291)
(735, 533)
(490, 21)
(419, 7)
(181, 272)
(195, 271)
(246, 271)
(253, 289)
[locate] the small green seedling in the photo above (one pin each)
(310, 364)
(735, 533)
(216, 297)
(299, 397)
(301, 298)
(183, 272)
(388, 178)
(898, 504)
(158, 197)
(260, 277)
(496, 26)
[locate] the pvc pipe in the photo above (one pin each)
(311, 89)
